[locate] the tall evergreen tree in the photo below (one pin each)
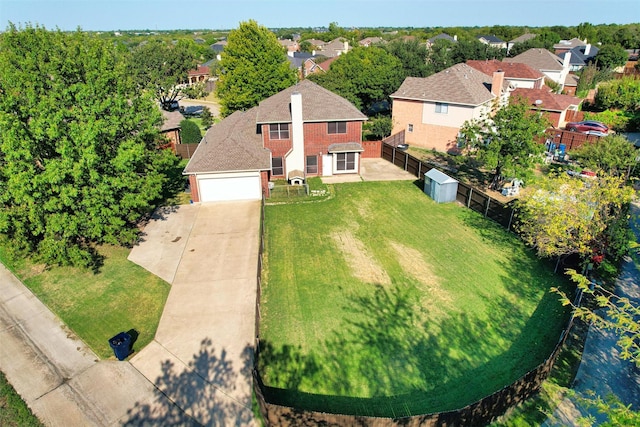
(255, 66)
(78, 158)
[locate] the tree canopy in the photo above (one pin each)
(612, 155)
(162, 66)
(255, 66)
(364, 76)
(79, 164)
(508, 142)
(563, 215)
(611, 56)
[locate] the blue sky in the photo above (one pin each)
(215, 14)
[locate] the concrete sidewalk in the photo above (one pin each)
(57, 375)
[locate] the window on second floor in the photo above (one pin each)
(442, 108)
(279, 131)
(337, 127)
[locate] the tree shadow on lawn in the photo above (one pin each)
(196, 395)
(388, 361)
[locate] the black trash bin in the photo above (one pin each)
(121, 345)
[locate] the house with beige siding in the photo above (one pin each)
(431, 110)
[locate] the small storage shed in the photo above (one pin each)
(440, 187)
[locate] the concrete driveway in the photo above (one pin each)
(202, 356)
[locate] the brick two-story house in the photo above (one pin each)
(302, 131)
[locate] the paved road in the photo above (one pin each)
(601, 370)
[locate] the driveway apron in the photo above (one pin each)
(202, 355)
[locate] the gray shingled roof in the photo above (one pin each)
(231, 145)
(540, 59)
(171, 120)
(345, 147)
(460, 84)
(318, 105)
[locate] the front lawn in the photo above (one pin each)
(121, 297)
(381, 302)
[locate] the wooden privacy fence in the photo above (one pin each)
(571, 140)
(471, 197)
(186, 150)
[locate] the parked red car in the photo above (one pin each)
(587, 125)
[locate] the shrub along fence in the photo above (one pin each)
(478, 413)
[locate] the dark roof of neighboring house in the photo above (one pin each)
(539, 59)
(512, 70)
(523, 38)
(219, 46)
(545, 99)
(460, 84)
(297, 62)
(491, 39)
(579, 55)
(171, 121)
(441, 36)
(318, 105)
(231, 145)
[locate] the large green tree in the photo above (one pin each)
(611, 56)
(162, 67)
(255, 66)
(412, 55)
(508, 142)
(364, 76)
(78, 158)
(612, 155)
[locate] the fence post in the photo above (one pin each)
(510, 219)
(419, 170)
(393, 155)
(486, 209)
(406, 161)
(469, 199)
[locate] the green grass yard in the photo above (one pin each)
(121, 297)
(380, 302)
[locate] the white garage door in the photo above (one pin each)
(230, 188)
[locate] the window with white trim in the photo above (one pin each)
(337, 127)
(442, 108)
(312, 165)
(276, 166)
(279, 131)
(346, 161)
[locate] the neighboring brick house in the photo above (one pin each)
(368, 41)
(556, 106)
(199, 75)
(302, 131)
(432, 109)
(171, 128)
(334, 48)
(581, 56)
(289, 45)
(517, 74)
(546, 62)
(304, 63)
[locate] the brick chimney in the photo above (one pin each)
(496, 83)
